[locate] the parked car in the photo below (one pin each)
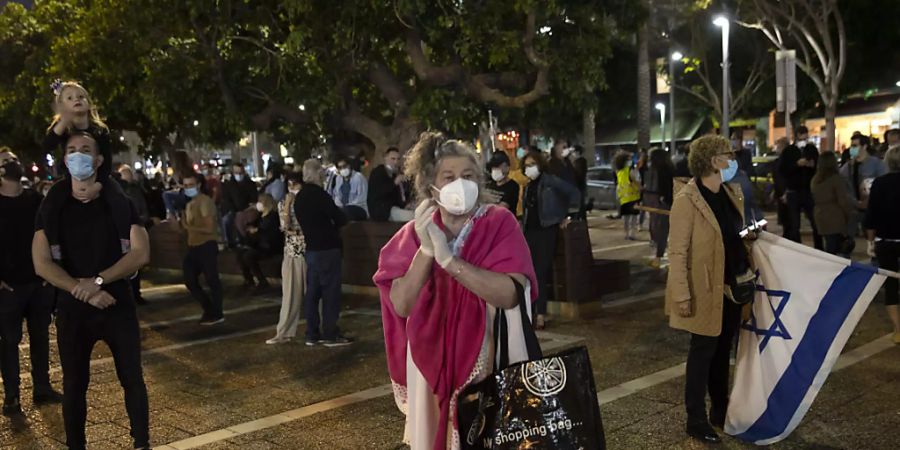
(601, 187)
(763, 183)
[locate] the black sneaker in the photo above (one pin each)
(339, 341)
(47, 397)
(12, 408)
(207, 321)
(703, 433)
(313, 342)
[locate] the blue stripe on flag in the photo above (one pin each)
(807, 359)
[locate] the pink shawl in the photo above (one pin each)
(446, 327)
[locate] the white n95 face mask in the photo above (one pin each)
(532, 172)
(458, 197)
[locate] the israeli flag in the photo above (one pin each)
(807, 304)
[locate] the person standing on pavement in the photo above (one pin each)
(321, 221)
(546, 210)
(658, 194)
(87, 249)
(559, 164)
(834, 208)
(504, 189)
(238, 194)
(859, 172)
(442, 279)
(628, 191)
(707, 258)
(882, 224)
(23, 295)
(385, 197)
(293, 265)
(798, 166)
(203, 250)
(349, 189)
(778, 186)
(135, 192)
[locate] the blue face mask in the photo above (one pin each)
(81, 165)
(191, 192)
(729, 172)
(520, 153)
(854, 151)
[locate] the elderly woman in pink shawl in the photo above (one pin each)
(442, 279)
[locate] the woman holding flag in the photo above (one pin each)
(708, 262)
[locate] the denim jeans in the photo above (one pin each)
(174, 201)
(323, 285)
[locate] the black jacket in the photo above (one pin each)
(384, 194)
(238, 195)
(798, 178)
(319, 218)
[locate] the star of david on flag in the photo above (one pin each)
(806, 306)
(776, 300)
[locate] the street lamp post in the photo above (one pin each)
(723, 23)
(676, 57)
(662, 123)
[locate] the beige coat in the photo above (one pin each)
(697, 261)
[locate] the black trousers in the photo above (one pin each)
(204, 259)
(78, 330)
(249, 259)
(800, 202)
(32, 302)
(708, 367)
(888, 254)
(542, 243)
(136, 286)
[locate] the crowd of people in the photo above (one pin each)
(479, 240)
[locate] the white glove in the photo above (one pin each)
(442, 253)
(870, 249)
(423, 218)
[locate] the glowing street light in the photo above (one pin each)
(723, 23)
(196, 123)
(675, 58)
(661, 107)
(302, 107)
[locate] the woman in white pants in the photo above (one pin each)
(293, 266)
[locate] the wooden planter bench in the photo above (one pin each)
(579, 279)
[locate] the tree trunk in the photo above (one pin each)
(643, 88)
(588, 131)
(830, 138)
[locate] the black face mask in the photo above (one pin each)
(13, 171)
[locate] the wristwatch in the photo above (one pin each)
(98, 280)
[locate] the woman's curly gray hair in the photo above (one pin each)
(425, 156)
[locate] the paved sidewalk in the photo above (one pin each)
(223, 388)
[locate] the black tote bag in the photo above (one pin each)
(543, 403)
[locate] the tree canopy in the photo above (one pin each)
(303, 69)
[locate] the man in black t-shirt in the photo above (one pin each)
(88, 249)
(504, 189)
(23, 296)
